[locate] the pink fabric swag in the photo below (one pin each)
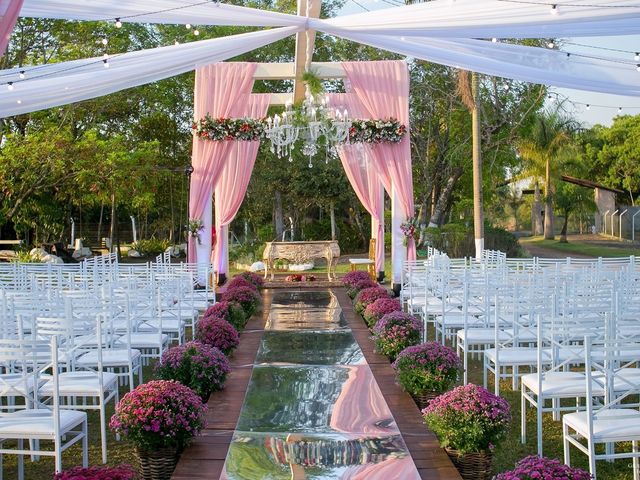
(9, 11)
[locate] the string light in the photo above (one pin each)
(588, 107)
(551, 44)
(196, 32)
(10, 86)
(636, 57)
(18, 102)
(176, 42)
(22, 75)
(554, 9)
(188, 26)
(619, 109)
(106, 63)
(118, 23)
(638, 67)
(494, 40)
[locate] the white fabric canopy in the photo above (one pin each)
(159, 11)
(68, 82)
(530, 64)
(492, 18)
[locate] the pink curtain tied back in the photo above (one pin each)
(9, 11)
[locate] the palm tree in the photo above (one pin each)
(547, 146)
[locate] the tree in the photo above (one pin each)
(548, 145)
(570, 198)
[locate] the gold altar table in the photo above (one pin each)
(301, 252)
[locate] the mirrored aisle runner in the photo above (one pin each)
(313, 409)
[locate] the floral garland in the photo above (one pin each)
(410, 229)
(249, 129)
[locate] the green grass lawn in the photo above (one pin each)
(584, 248)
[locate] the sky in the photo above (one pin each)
(603, 107)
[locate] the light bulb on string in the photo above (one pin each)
(22, 75)
(636, 57)
(10, 86)
(118, 23)
(554, 9)
(551, 44)
(196, 32)
(18, 102)
(619, 109)
(588, 107)
(188, 26)
(106, 63)
(310, 165)
(638, 67)
(176, 42)
(494, 40)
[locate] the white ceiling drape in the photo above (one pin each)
(68, 82)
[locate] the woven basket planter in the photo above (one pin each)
(158, 464)
(423, 399)
(472, 466)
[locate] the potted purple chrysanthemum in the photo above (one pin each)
(199, 366)
(218, 333)
(254, 278)
(378, 309)
(396, 331)
(534, 467)
(469, 421)
(354, 288)
(239, 281)
(229, 311)
(247, 297)
(367, 296)
(103, 472)
(160, 418)
(426, 370)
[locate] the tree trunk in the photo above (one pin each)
(548, 204)
(278, 216)
(563, 233)
(100, 223)
(112, 230)
(478, 213)
(536, 219)
(332, 212)
(439, 212)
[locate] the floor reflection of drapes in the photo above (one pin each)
(402, 468)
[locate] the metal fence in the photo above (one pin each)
(622, 223)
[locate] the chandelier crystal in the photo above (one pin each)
(315, 123)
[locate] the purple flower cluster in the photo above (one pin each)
(199, 366)
(218, 333)
(378, 309)
(396, 331)
(246, 296)
(158, 414)
(239, 281)
(368, 296)
(229, 311)
(543, 468)
(119, 472)
(469, 418)
(426, 367)
(351, 278)
(254, 278)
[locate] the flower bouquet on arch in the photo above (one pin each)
(410, 229)
(195, 227)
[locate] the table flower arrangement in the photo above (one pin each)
(230, 311)
(218, 333)
(199, 366)
(247, 297)
(469, 422)
(160, 418)
(119, 472)
(379, 308)
(534, 467)
(354, 289)
(426, 370)
(254, 278)
(368, 296)
(396, 331)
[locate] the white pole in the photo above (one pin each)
(604, 222)
(203, 245)
(398, 249)
(620, 225)
(133, 227)
(612, 216)
(633, 226)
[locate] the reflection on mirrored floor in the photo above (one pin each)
(284, 318)
(286, 456)
(313, 409)
(310, 348)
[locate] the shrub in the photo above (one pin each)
(229, 311)
(468, 418)
(159, 414)
(247, 297)
(354, 289)
(352, 278)
(367, 296)
(218, 333)
(151, 247)
(534, 467)
(254, 278)
(378, 309)
(239, 281)
(199, 366)
(119, 472)
(396, 331)
(428, 367)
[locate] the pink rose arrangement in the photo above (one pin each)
(378, 309)
(217, 333)
(469, 419)
(368, 296)
(247, 297)
(199, 366)
(159, 414)
(428, 367)
(229, 311)
(534, 467)
(119, 472)
(396, 331)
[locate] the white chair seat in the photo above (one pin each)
(561, 384)
(361, 261)
(80, 384)
(168, 325)
(516, 355)
(37, 423)
(482, 335)
(613, 425)
(111, 357)
(13, 385)
(143, 340)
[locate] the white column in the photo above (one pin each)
(203, 247)
(398, 250)
(374, 227)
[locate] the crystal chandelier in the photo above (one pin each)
(314, 121)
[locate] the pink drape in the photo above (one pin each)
(382, 88)
(9, 11)
(361, 173)
(234, 179)
(220, 89)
